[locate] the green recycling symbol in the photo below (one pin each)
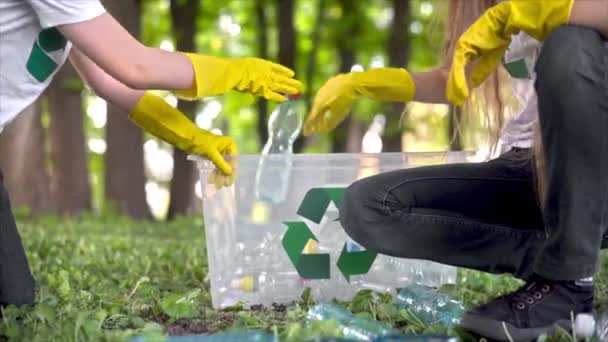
(317, 266)
(39, 64)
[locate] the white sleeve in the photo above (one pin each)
(52, 13)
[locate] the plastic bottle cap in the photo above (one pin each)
(294, 96)
(245, 283)
(584, 325)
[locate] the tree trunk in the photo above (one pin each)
(455, 134)
(262, 23)
(287, 33)
(70, 183)
(398, 56)
(311, 64)
(348, 135)
(124, 159)
(287, 45)
(23, 163)
(183, 19)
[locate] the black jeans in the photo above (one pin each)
(486, 216)
(16, 281)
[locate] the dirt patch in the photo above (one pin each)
(188, 327)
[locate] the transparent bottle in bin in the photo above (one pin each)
(268, 286)
(273, 175)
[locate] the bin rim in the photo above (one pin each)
(204, 163)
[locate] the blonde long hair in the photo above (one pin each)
(491, 98)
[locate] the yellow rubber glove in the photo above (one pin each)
(336, 97)
(158, 118)
(221, 180)
(486, 41)
(215, 76)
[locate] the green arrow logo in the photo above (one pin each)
(316, 201)
(355, 263)
(309, 266)
(39, 64)
(317, 266)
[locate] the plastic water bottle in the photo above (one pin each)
(245, 336)
(417, 338)
(584, 326)
(430, 306)
(353, 327)
(398, 338)
(274, 169)
(601, 327)
(372, 139)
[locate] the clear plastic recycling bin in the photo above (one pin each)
(275, 231)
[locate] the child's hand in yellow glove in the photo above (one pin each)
(336, 97)
(214, 147)
(486, 41)
(220, 179)
(158, 118)
(215, 76)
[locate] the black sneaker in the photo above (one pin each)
(537, 308)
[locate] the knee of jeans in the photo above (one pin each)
(356, 206)
(351, 209)
(563, 57)
(364, 207)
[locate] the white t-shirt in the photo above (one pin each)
(520, 61)
(32, 50)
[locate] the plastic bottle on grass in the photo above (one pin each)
(397, 338)
(284, 126)
(417, 338)
(430, 306)
(601, 326)
(245, 336)
(353, 327)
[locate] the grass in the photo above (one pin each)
(109, 278)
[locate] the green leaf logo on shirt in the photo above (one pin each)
(518, 69)
(39, 64)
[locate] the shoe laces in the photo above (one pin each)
(529, 294)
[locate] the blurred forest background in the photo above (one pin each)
(70, 153)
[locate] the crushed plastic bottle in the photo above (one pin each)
(397, 338)
(417, 338)
(601, 326)
(273, 174)
(245, 336)
(430, 306)
(353, 327)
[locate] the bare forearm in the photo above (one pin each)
(126, 59)
(592, 14)
(104, 85)
(430, 86)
